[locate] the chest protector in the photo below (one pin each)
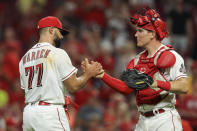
(146, 65)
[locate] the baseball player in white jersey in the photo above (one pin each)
(156, 102)
(46, 75)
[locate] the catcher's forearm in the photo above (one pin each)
(116, 84)
(178, 86)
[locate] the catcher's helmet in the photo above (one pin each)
(149, 19)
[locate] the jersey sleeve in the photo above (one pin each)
(64, 65)
(116, 84)
(22, 83)
(178, 70)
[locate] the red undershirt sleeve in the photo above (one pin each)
(116, 84)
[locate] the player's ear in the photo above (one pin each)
(153, 34)
(51, 30)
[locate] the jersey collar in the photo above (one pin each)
(155, 51)
(41, 44)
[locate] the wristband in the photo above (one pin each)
(164, 85)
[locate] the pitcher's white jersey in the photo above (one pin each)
(42, 72)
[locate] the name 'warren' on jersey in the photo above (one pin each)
(42, 70)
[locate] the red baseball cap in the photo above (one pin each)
(51, 21)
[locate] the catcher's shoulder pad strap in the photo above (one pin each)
(164, 58)
(136, 59)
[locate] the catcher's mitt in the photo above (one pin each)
(136, 80)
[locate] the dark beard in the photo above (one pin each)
(57, 43)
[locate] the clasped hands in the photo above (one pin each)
(92, 68)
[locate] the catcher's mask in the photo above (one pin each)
(149, 19)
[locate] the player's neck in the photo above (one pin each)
(152, 48)
(46, 39)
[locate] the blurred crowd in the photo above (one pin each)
(99, 30)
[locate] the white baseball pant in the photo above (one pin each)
(166, 121)
(45, 118)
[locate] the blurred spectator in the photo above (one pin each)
(123, 116)
(194, 49)
(4, 98)
(188, 106)
(75, 47)
(90, 114)
(91, 36)
(164, 7)
(105, 94)
(124, 54)
(70, 16)
(142, 3)
(1, 20)
(117, 15)
(13, 117)
(180, 26)
(28, 32)
(194, 12)
(95, 50)
(98, 31)
(186, 126)
(111, 120)
(9, 59)
(9, 80)
(117, 115)
(2, 124)
(81, 97)
(94, 13)
(113, 40)
(10, 40)
(134, 111)
(3, 77)
(111, 44)
(25, 6)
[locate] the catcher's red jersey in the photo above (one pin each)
(149, 98)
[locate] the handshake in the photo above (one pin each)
(92, 68)
(134, 79)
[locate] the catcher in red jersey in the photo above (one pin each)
(155, 75)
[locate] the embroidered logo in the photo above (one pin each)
(143, 70)
(182, 69)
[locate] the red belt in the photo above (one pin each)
(47, 104)
(40, 103)
(43, 103)
(151, 113)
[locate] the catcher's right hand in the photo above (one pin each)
(136, 80)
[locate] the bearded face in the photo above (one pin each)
(57, 41)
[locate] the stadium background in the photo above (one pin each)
(100, 30)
